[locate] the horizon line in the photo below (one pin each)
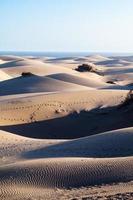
(44, 51)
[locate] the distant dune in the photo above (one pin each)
(89, 82)
(34, 84)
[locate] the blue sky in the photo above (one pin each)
(66, 25)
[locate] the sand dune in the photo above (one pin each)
(13, 63)
(84, 123)
(98, 57)
(4, 76)
(2, 61)
(49, 106)
(64, 172)
(10, 57)
(61, 60)
(35, 83)
(93, 171)
(16, 67)
(114, 191)
(75, 59)
(12, 146)
(89, 82)
(126, 58)
(67, 172)
(113, 62)
(119, 70)
(109, 144)
(73, 125)
(94, 58)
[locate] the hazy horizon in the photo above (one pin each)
(63, 54)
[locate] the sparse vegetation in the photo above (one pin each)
(128, 100)
(110, 82)
(85, 67)
(26, 74)
(89, 67)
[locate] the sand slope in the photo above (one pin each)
(118, 143)
(90, 81)
(55, 105)
(86, 130)
(35, 83)
(23, 169)
(67, 172)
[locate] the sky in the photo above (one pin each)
(66, 25)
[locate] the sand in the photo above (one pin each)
(66, 134)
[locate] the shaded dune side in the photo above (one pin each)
(44, 106)
(12, 146)
(111, 71)
(126, 58)
(35, 83)
(67, 172)
(113, 62)
(109, 144)
(76, 125)
(12, 63)
(10, 57)
(89, 82)
(16, 67)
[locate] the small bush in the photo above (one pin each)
(128, 100)
(26, 74)
(85, 67)
(110, 82)
(88, 68)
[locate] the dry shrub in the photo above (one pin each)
(128, 100)
(89, 67)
